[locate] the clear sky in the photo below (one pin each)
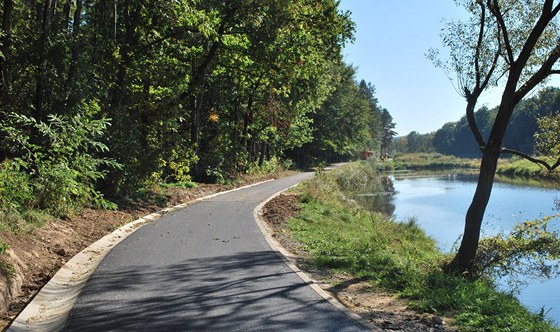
(391, 41)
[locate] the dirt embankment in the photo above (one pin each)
(35, 257)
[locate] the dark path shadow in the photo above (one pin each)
(251, 291)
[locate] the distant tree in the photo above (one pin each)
(367, 90)
(455, 138)
(515, 45)
(547, 142)
(388, 132)
(400, 144)
(342, 125)
(523, 124)
(444, 138)
(416, 142)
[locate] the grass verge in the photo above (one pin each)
(398, 257)
(514, 167)
(429, 161)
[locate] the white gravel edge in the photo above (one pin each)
(49, 309)
(289, 259)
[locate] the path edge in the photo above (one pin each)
(289, 260)
(49, 309)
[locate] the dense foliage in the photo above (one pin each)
(181, 90)
(350, 120)
(455, 138)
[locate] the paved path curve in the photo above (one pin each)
(204, 267)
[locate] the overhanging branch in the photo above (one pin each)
(496, 11)
(541, 162)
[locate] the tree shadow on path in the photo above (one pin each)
(250, 291)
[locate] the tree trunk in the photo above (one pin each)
(131, 21)
(262, 156)
(464, 259)
(5, 40)
(114, 21)
(65, 21)
(43, 51)
(74, 54)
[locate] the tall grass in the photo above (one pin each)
(398, 257)
(522, 167)
(514, 166)
(432, 161)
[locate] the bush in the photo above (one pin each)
(15, 191)
(59, 161)
(529, 250)
(270, 166)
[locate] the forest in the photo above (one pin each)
(456, 138)
(107, 98)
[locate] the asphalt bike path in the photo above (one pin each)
(206, 267)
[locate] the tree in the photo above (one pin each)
(190, 87)
(5, 42)
(387, 132)
(367, 90)
(546, 139)
(342, 125)
(508, 43)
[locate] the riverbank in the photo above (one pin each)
(397, 258)
(514, 166)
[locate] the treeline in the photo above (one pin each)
(455, 138)
(112, 96)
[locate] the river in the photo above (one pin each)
(439, 203)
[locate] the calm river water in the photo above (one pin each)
(439, 203)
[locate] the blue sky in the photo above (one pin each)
(392, 38)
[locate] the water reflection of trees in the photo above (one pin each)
(378, 195)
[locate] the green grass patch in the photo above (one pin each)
(24, 221)
(368, 245)
(517, 166)
(430, 161)
(184, 184)
(398, 257)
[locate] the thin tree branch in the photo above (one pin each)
(175, 33)
(473, 96)
(546, 16)
(495, 9)
(479, 43)
(540, 75)
(494, 64)
(473, 125)
(541, 162)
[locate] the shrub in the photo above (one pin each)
(529, 250)
(15, 191)
(59, 159)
